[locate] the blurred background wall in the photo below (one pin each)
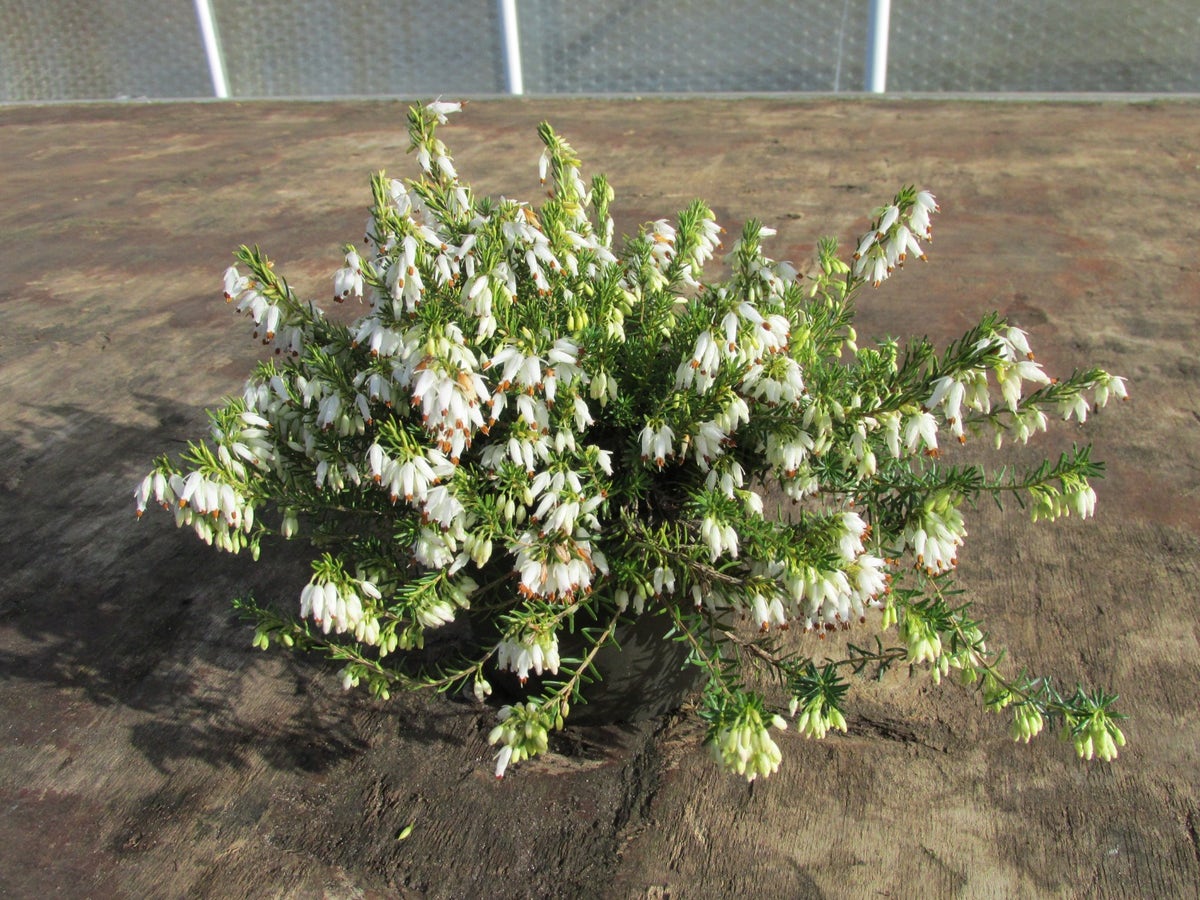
(131, 49)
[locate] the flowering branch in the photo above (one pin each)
(530, 423)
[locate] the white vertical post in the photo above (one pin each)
(875, 79)
(511, 35)
(212, 48)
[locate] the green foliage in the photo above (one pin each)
(547, 432)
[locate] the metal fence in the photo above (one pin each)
(78, 50)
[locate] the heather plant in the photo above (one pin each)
(543, 431)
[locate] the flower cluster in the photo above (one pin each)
(740, 740)
(1098, 736)
(530, 423)
(538, 652)
(522, 733)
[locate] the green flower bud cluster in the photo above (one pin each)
(745, 746)
(818, 717)
(1099, 738)
(262, 638)
(817, 695)
(921, 637)
(1076, 496)
(523, 732)
(966, 657)
(1095, 733)
(996, 696)
(1027, 722)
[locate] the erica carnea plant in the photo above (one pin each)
(541, 429)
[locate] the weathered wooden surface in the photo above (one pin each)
(146, 750)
